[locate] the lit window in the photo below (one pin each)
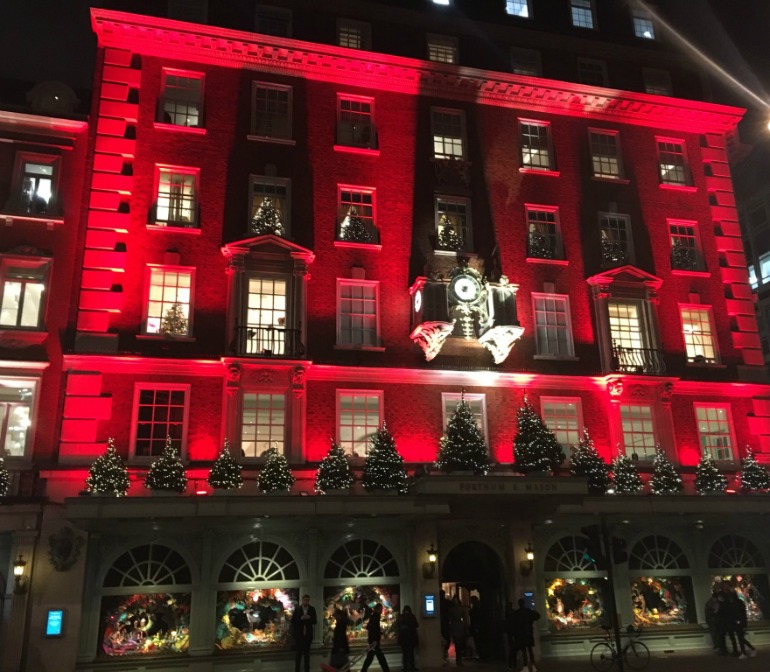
(270, 192)
(553, 326)
(442, 2)
(169, 301)
(536, 146)
(543, 233)
(582, 12)
(266, 330)
(272, 20)
(160, 411)
(356, 216)
(764, 268)
(263, 424)
(359, 415)
(562, 415)
(477, 403)
(526, 62)
(592, 72)
(685, 247)
(517, 8)
(36, 183)
(442, 49)
(177, 203)
(23, 282)
(617, 244)
(271, 106)
(753, 276)
(638, 431)
(625, 325)
(698, 335)
(355, 122)
(643, 25)
(672, 162)
(453, 215)
(353, 34)
(358, 319)
(657, 82)
(181, 102)
(605, 154)
(715, 429)
(16, 404)
(448, 134)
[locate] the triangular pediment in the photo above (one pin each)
(626, 275)
(268, 245)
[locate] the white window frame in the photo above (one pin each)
(644, 24)
(618, 217)
(140, 387)
(271, 135)
(349, 446)
(363, 29)
(356, 130)
(343, 208)
(567, 328)
(530, 212)
(16, 199)
(448, 142)
(442, 49)
(596, 66)
(190, 305)
(20, 383)
(531, 150)
(693, 350)
(466, 227)
(164, 97)
(578, 10)
(732, 447)
(272, 14)
(657, 82)
(606, 158)
(519, 8)
(13, 261)
(690, 224)
(630, 338)
(351, 282)
(665, 181)
(286, 419)
(526, 62)
(189, 202)
(274, 182)
(453, 398)
(649, 453)
(578, 402)
(262, 340)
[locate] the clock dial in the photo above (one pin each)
(466, 288)
(417, 300)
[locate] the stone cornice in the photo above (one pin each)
(382, 72)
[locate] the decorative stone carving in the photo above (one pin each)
(298, 381)
(667, 393)
(64, 549)
(615, 388)
(233, 378)
(265, 376)
(499, 341)
(430, 336)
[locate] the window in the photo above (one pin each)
(672, 162)
(626, 325)
(273, 21)
(23, 283)
(536, 151)
(605, 154)
(358, 315)
(563, 416)
(657, 82)
(355, 122)
(643, 25)
(553, 325)
(448, 133)
(764, 268)
(266, 316)
(638, 430)
(617, 243)
(16, 404)
(685, 247)
(446, 3)
(442, 49)
(160, 411)
(263, 424)
(592, 72)
(354, 34)
(753, 276)
(169, 301)
(517, 8)
(543, 233)
(454, 215)
(271, 106)
(715, 429)
(265, 191)
(359, 416)
(356, 215)
(477, 403)
(526, 62)
(582, 12)
(36, 184)
(698, 333)
(181, 100)
(177, 194)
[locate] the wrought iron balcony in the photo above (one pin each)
(269, 342)
(638, 360)
(25, 483)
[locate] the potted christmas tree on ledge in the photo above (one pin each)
(665, 479)
(462, 448)
(625, 476)
(753, 477)
(167, 474)
(108, 474)
(587, 462)
(276, 476)
(225, 474)
(384, 471)
(708, 479)
(535, 448)
(334, 475)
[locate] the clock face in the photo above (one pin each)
(417, 300)
(466, 288)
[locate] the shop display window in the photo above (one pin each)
(662, 600)
(255, 618)
(574, 603)
(358, 602)
(751, 588)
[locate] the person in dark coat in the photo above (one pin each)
(510, 643)
(340, 646)
(446, 635)
(407, 638)
(374, 636)
(725, 624)
(712, 608)
(458, 628)
(522, 626)
(738, 610)
(302, 621)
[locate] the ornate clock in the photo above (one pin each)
(465, 288)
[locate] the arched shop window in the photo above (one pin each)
(146, 603)
(574, 586)
(358, 575)
(736, 563)
(661, 586)
(258, 590)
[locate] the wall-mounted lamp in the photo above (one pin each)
(526, 566)
(429, 568)
(19, 580)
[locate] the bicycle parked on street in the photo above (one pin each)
(635, 654)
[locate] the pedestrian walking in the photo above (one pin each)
(738, 607)
(522, 625)
(458, 628)
(407, 638)
(374, 637)
(302, 621)
(725, 624)
(510, 642)
(446, 635)
(340, 646)
(712, 607)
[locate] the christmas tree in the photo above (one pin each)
(384, 467)
(167, 472)
(708, 478)
(625, 476)
(276, 475)
(665, 478)
(353, 229)
(334, 471)
(753, 475)
(535, 447)
(267, 219)
(5, 479)
(225, 473)
(174, 322)
(448, 236)
(462, 448)
(540, 245)
(108, 473)
(588, 463)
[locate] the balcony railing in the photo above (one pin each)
(25, 483)
(638, 360)
(269, 342)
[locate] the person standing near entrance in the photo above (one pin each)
(374, 636)
(458, 627)
(407, 638)
(302, 621)
(522, 621)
